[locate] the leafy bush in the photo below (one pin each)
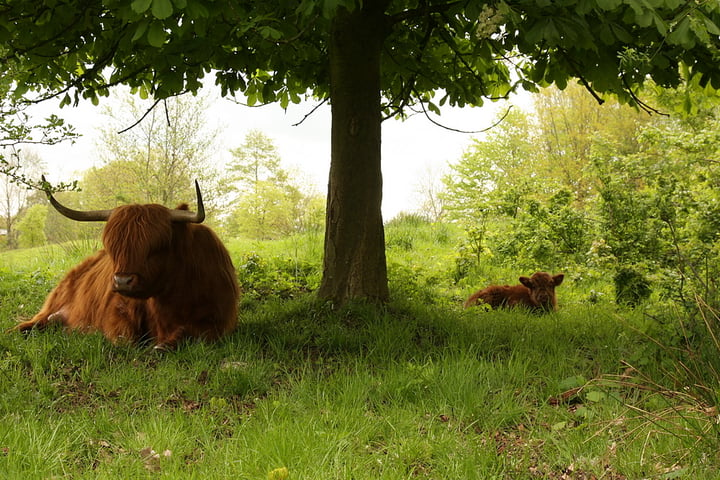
(631, 287)
(277, 277)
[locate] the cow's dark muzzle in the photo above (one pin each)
(128, 284)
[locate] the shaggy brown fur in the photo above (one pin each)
(155, 279)
(536, 292)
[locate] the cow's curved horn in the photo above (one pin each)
(80, 216)
(190, 217)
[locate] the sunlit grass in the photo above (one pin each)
(419, 389)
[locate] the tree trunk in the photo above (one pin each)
(354, 263)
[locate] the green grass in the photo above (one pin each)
(419, 389)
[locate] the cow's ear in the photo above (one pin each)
(526, 281)
(558, 279)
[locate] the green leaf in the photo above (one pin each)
(712, 28)
(196, 9)
(595, 396)
(305, 8)
(606, 34)
(171, 83)
(559, 426)
(608, 4)
(140, 31)
(582, 412)
(550, 32)
(44, 18)
(636, 6)
(161, 9)
(660, 24)
(270, 33)
(645, 18)
(621, 34)
(284, 100)
(65, 101)
(140, 6)
(572, 382)
(156, 35)
(681, 33)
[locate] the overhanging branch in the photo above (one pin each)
(313, 110)
(445, 127)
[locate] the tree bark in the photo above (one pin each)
(354, 265)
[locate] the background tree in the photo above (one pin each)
(31, 227)
(267, 212)
(571, 125)
(658, 205)
(310, 216)
(356, 54)
(528, 189)
(430, 192)
(268, 203)
(160, 151)
(497, 173)
(256, 160)
(59, 229)
(15, 196)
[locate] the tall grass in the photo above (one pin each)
(418, 389)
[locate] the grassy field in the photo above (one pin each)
(419, 389)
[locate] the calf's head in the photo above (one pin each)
(542, 289)
(139, 241)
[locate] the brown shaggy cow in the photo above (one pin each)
(161, 276)
(536, 292)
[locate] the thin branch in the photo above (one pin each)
(152, 107)
(498, 122)
(259, 105)
(643, 106)
(647, 108)
(589, 88)
(167, 113)
(314, 109)
(576, 73)
(147, 112)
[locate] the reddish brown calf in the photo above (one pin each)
(536, 292)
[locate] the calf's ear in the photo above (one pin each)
(526, 281)
(558, 279)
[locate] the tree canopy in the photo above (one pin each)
(276, 51)
(370, 59)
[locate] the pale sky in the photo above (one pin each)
(410, 148)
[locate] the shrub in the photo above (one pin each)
(631, 287)
(277, 277)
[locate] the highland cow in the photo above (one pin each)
(161, 277)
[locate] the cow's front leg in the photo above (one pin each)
(41, 321)
(168, 340)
